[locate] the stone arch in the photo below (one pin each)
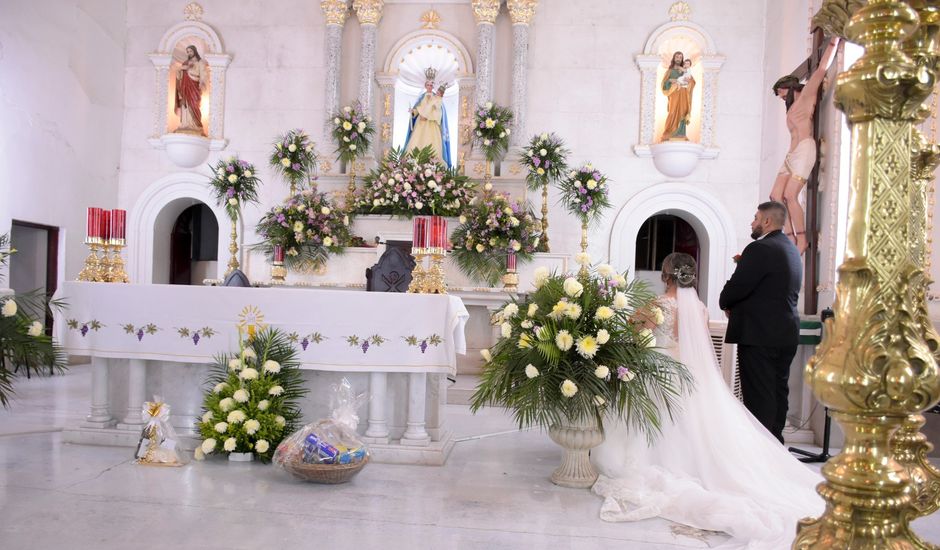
(704, 212)
(156, 208)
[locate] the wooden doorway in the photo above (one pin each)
(35, 266)
(193, 245)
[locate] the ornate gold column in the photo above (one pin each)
(485, 12)
(521, 12)
(334, 11)
(875, 366)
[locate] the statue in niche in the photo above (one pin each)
(191, 80)
(678, 85)
(800, 100)
(428, 124)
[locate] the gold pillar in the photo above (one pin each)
(874, 367)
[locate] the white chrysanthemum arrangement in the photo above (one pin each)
(251, 402)
(575, 348)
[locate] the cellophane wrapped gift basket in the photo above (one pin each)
(327, 451)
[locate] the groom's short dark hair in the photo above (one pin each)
(776, 210)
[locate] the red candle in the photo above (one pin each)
(105, 226)
(419, 240)
(278, 253)
(511, 261)
(118, 224)
(90, 224)
(438, 232)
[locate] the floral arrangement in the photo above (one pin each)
(307, 227)
(584, 193)
(352, 132)
(294, 156)
(251, 402)
(544, 159)
(492, 124)
(491, 228)
(413, 184)
(572, 349)
(234, 183)
(23, 341)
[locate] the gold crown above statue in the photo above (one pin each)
(430, 73)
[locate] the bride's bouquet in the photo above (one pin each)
(574, 349)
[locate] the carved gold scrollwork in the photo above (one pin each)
(334, 11)
(485, 11)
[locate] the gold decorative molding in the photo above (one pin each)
(335, 11)
(193, 12)
(369, 12)
(522, 11)
(431, 19)
(680, 11)
(485, 11)
(387, 104)
(386, 132)
(465, 107)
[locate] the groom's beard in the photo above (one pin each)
(757, 233)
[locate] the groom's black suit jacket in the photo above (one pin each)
(762, 293)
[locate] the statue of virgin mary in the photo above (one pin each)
(428, 124)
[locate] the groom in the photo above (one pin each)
(760, 301)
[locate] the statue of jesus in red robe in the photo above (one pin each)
(191, 79)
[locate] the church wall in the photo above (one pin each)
(584, 83)
(62, 97)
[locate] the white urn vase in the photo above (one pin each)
(241, 457)
(577, 438)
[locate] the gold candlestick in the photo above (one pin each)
(116, 273)
(543, 242)
(106, 269)
(418, 274)
(875, 366)
(511, 280)
(435, 277)
(584, 273)
(351, 188)
(90, 272)
(233, 249)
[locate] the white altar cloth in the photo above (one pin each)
(335, 330)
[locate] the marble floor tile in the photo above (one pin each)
(494, 492)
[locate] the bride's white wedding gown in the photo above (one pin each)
(715, 467)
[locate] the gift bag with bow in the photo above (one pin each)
(158, 443)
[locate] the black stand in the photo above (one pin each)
(809, 457)
(824, 455)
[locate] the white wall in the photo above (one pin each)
(61, 110)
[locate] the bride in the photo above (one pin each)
(716, 467)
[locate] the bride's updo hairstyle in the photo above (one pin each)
(679, 268)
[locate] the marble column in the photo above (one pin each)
(647, 65)
(335, 13)
(161, 65)
(485, 12)
(218, 64)
(369, 13)
(521, 12)
(136, 394)
(415, 433)
(710, 65)
(100, 415)
(377, 430)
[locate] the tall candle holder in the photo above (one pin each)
(90, 272)
(351, 187)
(543, 242)
(437, 230)
(511, 277)
(278, 271)
(584, 273)
(233, 248)
(116, 273)
(419, 250)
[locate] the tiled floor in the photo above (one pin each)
(493, 493)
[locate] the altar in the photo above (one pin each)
(147, 340)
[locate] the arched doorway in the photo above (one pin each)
(194, 250)
(713, 225)
(153, 218)
(659, 236)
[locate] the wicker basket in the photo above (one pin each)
(326, 473)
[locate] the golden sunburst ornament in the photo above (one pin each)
(250, 320)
